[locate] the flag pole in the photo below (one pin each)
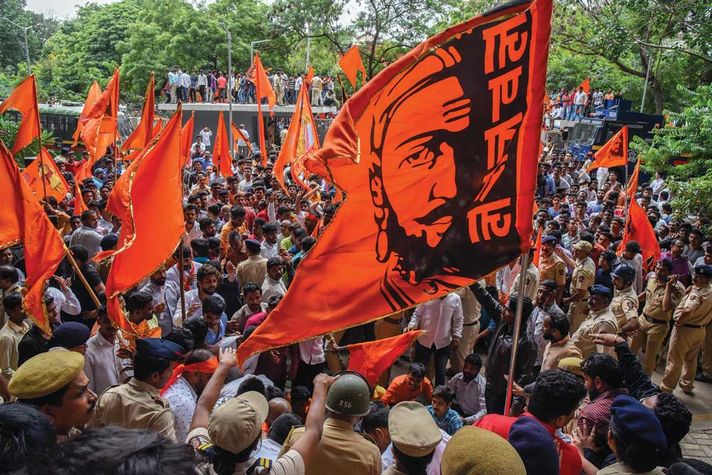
(523, 265)
(181, 276)
(83, 279)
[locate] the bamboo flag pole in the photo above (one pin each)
(523, 265)
(83, 279)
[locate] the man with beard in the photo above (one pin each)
(165, 298)
(555, 330)
(551, 267)
(253, 305)
(208, 278)
(190, 270)
(273, 284)
(270, 246)
(102, 365)
(545, 307)
(600, 320)
(55, 383)
(186, 385)
(625, 301)
(603, 378)
(192, 230)
(469, 388)
(138, 404)
(207, 227)
(583, 277)
(87, 235)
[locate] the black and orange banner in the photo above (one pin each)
(437, 155)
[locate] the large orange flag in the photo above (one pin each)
(437, 155)
(24, 100)
(632, 188)
(372, 358)
(44, 248)
(585, 85)
(264, 90)
(100, 125)
(186, 139)
(614, 153)
(79, 205)
(301, 138)
(54, 183)
(143, 133)
(155, 185)
(238, 135)
(92, 96)
(221, 149)
(351, 63)
(639, 229)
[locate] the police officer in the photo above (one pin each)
(551, 267)
(625, 301)
(414, 435)
(662, 294)
(343, 451)
(688, 334)
(582, 278)
(600, 320)
(138, 403)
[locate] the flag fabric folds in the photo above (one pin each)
(221, 148)
(263, 90)
(79, 205)
(54, 183)
(43, 246)
(92, 96)
(351, 63)
(537, 246)
(155, 184)
(372, 358)
(142, 134)
(437, 155)
(186, 139)
(23, 99)
(585, 85)
(613, 153)
(238, 135)
(639, 229)
(632, 188)
(99, 128)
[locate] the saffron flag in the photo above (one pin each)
(351, 63)
(264, 90)
(238, 135)
(142, 134)
(99, 130)
(537, 246)
(585, 85)
(614, 153)
(79, 205)
(633, 182)
(372, 358)
(44, 248)
(157, 127)
(221, 149)
(92, 96)
(639, 229)
(23, 99)
(186, 139)
(437, 155)
(302, 138)
(44, 169)
(155, 184)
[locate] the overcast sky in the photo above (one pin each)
(59, 8)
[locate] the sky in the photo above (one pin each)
(59, 8)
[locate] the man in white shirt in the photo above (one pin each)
(87, 235)
(101, 364)
(271, 446)
(273, 285)
(165, 298)
(197, 150)
(205, 134)
(184, 85)
(208, 278)
(442, 321)
(241, 144)
(469, 388)
(245, 183)
(202, 85)
(580, 100)
(270, 246)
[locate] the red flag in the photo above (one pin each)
(264, 90)
(100, 125)
(92, 96)
(186, 139)
(633, 182)
(221, 149)
(438, 157)
(79, 205)
(613, 153)
(639, 229)
(372, 358)
(54, 183)
(585, 85)
(44, 248)
(351, 63)
(155, 184)
(24, 100)
(302, 138)
(143, 133)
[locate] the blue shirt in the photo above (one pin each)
(450, 422)
(211, 338)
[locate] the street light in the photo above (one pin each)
(27, 48)
(229, 92)
(252, 48)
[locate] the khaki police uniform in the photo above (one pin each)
(531, 284)
(583, 277)
(624, 305)
(687, 338)
(134, 405)
(342, 451)
(602, 321)
(655, 322)
(552, 268)
(470, 327)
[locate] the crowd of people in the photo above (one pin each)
(594, 327)
(576, 103)
(217, 86)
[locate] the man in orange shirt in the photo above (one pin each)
(409, 387)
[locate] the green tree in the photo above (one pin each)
(12, 42)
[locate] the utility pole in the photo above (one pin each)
(252, 49)
(24, 29)
(230, 81)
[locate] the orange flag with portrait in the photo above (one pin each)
(99, 129)
(613, 153)
(437, 155)
(142, 134)
(186, 139)
(639, 229)
(585, 85)
(351, 63)
(372, 358)
(92, 96)
(54, 183)
(221, 149)
(23, 99)
(43, 246)
(155, 184)
(264, 90)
